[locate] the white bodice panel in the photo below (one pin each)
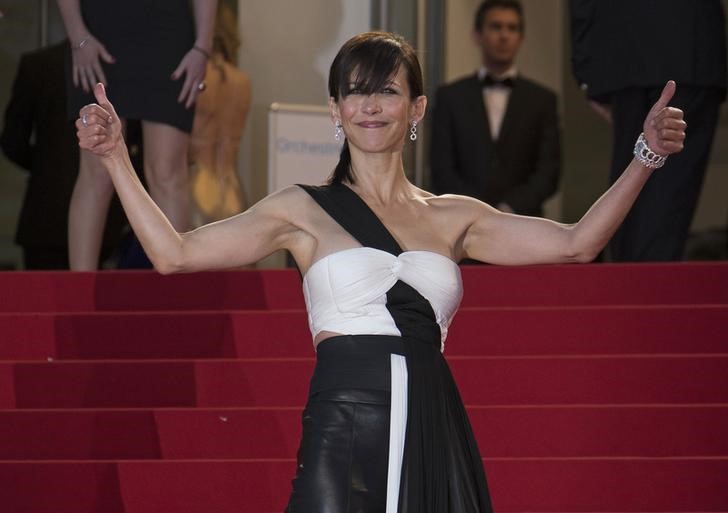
(346, 291)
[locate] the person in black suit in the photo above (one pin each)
(38, 137)
(623, 51)
(495, 134)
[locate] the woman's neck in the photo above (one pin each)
(380, 177)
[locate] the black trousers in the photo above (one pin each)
(657, 227)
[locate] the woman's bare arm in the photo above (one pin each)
(240, 240)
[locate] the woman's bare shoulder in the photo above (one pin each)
(453, 215)
(457, 204)
(292, 199)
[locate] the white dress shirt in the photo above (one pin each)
(495, 98)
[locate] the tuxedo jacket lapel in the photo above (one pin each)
(479, 116)
(516, 101)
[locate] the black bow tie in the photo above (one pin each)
(489, 80)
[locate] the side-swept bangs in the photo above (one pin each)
(367, 62)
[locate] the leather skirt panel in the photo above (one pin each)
(342, 459)
(344, 452)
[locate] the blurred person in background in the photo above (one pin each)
(38, 136)
(623, 51)
(495, 133)
(152, 55)
(220, 117)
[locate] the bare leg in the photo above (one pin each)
(166, 171)
(87, 214)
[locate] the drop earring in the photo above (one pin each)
(413, 131)
(337, 130)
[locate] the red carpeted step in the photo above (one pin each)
(143, 384)
(284, 382)
(176, 335)
(595, 431)
(7, 386)
(149, 434)
(158, 486)
(575, 285)
(264, 334)
(239, 486)
(595, 485)
(79, 435)
(592, 380)
(601, 330)
(511, 431)
(27, 336)
(148, 290)
(614, 400)
(596, 284)
(78, 487)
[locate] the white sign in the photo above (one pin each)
(301, 145)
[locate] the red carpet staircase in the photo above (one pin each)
(590, 388)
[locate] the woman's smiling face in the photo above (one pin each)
(378, 122)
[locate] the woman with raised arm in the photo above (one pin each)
(152, 55)
(384, 428)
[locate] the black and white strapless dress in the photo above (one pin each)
(384, 429)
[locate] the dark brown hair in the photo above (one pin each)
(365, 64)
(226, 37)
(487, 5)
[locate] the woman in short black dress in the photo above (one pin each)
(151, 54)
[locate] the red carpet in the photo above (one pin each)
(593, 388)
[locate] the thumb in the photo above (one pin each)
(667, 93)
(102, 99)
(178, 71)
(105, 55)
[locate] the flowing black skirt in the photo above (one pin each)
(374, 443)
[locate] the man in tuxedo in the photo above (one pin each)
(38, 136)
(495, 134)
(623, 52)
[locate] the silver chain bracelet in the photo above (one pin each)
(83, 43)
(646, 156)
